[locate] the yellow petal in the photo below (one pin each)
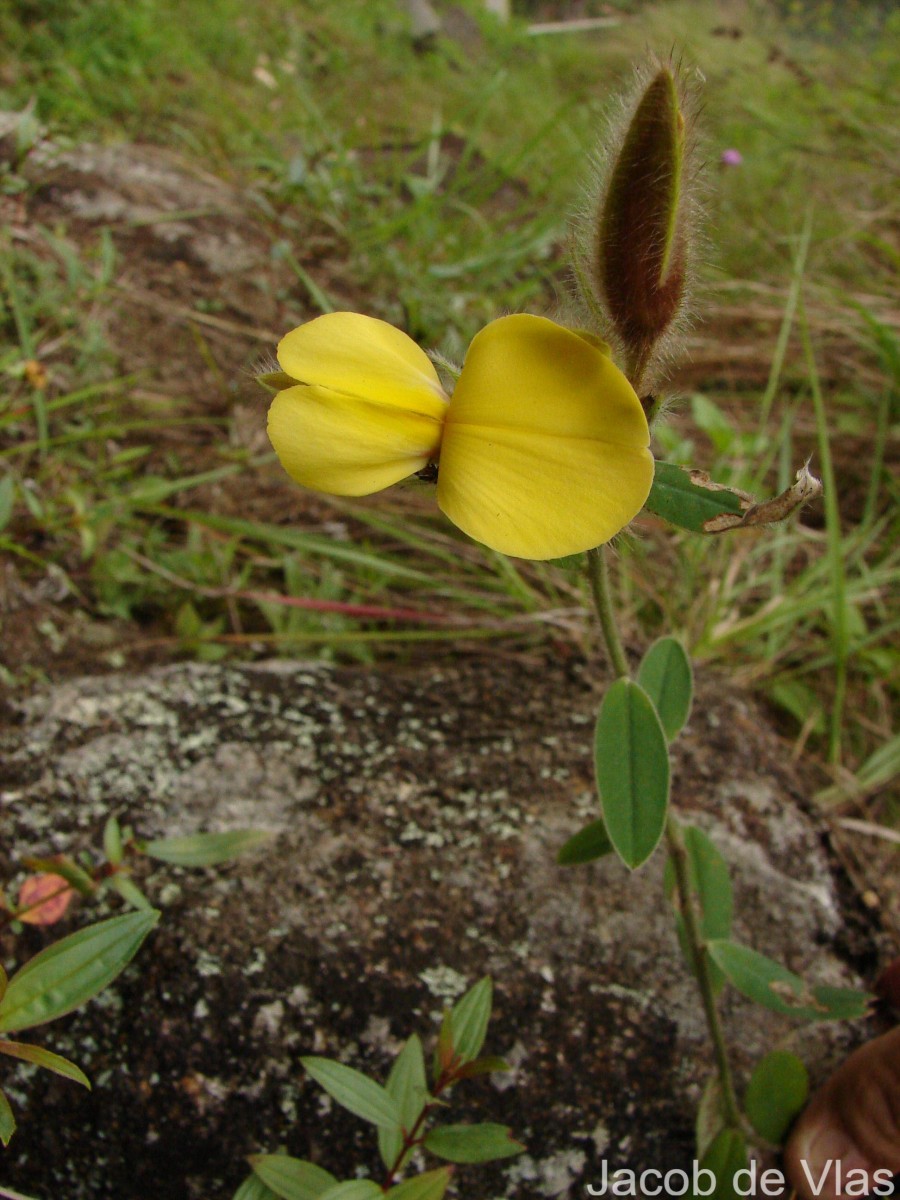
(545, 444)
(339, 444)
(366, 358)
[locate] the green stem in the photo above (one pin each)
(694, 937)
(416, 1136)
(599, 574)
(600, 587)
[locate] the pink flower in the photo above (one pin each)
(731, 158)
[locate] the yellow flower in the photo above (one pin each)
(542, 448)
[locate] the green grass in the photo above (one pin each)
(439, 206)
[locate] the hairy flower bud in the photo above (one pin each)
(641, 246)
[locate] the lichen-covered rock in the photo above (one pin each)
(417, 817)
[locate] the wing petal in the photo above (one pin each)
(335, 443)
(366, 358)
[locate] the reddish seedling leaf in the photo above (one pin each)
(44, 899)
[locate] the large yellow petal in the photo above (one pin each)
(335, 443)
(366, 358)
(545, 447)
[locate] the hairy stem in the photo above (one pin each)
(600, 587)
(599, 573)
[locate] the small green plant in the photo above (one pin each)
(404, 1111)
(61, 978)
(71, 971)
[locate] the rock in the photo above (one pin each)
(417, 816)
(424, 21)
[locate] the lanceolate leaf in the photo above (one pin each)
(632, 764)
(472, 1143)
(47, 1059)
(489, 1065)
(291, 1178)
(67, 869)
(775, 987)
(776, 1093)
(112, 841)
(352, 1189)
(430, 1186)
(129, 891)
(253, 1188)
(407, 1085)
(725, 1157)
(469, 1020)
(588, 844)
(665, 675)
(205, 849)
(354, 1091)
(73, 970)
(7, 1120)
(710, 1120)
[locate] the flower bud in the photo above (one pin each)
(641, 247)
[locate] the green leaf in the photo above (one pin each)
(7, 1120)
(429, 1186)
(205, 849)
(631, 758)
(725, 1157)
(4, 981)
(46, 1059)
(253, 1188)
(112, 841)
(775, 987)
(469, 1020)
(130, 892)
(408, 1086)
(354, 1091)
(472, 1143)
(68, 870)
(588, 844)
(665, 675)
(801, 701)
(776, 1093)
(73, 970)
(6, 500)
(291, 1178)
(711, 886)
(689, 499)
(489, 1065)
(353, 1189)
(711, 1118)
